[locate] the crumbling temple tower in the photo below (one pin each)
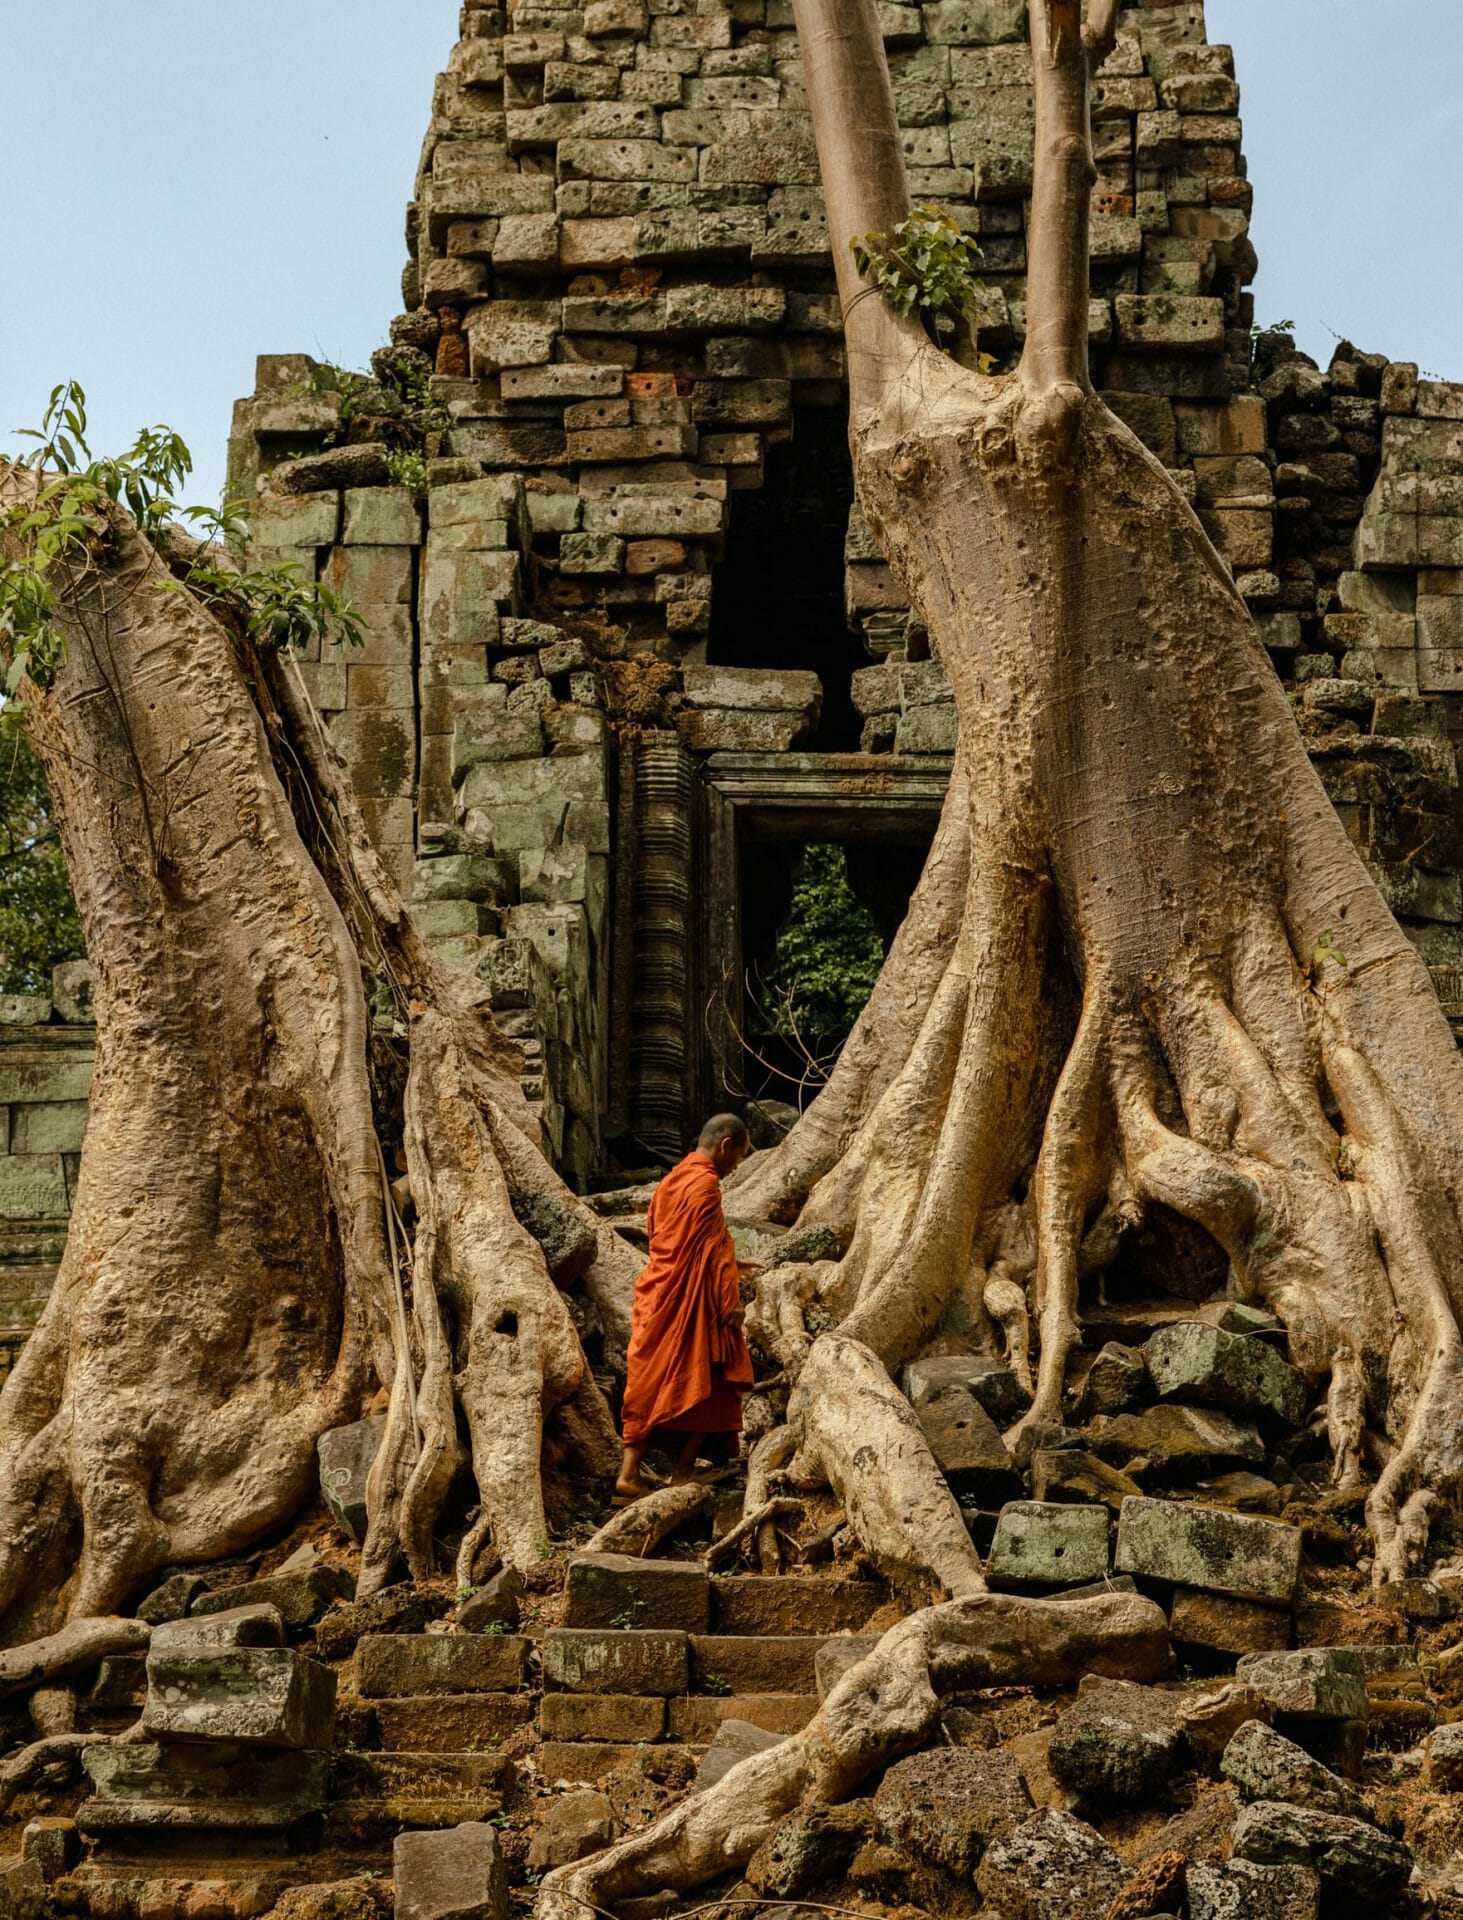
(628, 638)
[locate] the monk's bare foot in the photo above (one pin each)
(628, 1490)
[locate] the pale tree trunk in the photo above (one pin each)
(1114, 988)
(231, 1281)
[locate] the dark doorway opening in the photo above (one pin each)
(777, 600)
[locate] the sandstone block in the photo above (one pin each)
(753, 1603)
(589, 1760)
(381, 517)
(254, 1626)
(967, 1445)
(71, 992)
(1209, 1721)
(620, 1590)
(699, 1717)
(987, 1380)
(567, 1828)
(177, 1787)
(1241, 1375)
(301, 1596)
(1207, 1547)
(735, 1741)
(625, 1662)
(602, 1716)
(1227, 1625)
(716, 730)
(256, 1696)
(392, 1666)
(1066, 1474)
(1310, 1683)
(1445, 1757)
(457, 1875)
(1037, 1544)
(1177, 1439)
(451, 1722)
(1169, 323)
(346, 1455)
(754, 1663)
(838, 1656)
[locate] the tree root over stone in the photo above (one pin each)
(888, 1704)
(1144, 968)
(234, 1273)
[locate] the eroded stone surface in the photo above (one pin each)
(1208, 1547)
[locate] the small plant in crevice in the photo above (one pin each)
(926, 268)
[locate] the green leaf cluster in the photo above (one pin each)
(827, 956)
(926, 268)
(49, 534)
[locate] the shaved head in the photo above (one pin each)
(722, 1126)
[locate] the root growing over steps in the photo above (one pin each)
(886, 1705)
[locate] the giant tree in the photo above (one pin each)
(1144, 968)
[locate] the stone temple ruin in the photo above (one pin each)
(629, 644)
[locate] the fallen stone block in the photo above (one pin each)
(1115, 1380)
(394, 1666)
(1224, 1624)
(1067, 1474)
(967, 1445)
(1176, 1441)
(815, 1844)
(754, 1663)
(733, 1742)
(1118, 1742)
(1196, 1546)
(603, 1716)
(1218, 1369)
(619, 1590)
(1240, 1890)
(494, 1605)
(1040, 1544)
(401, 1609)
(172, 1599)
(633, 1661)
(1264, 1765)
(51, 1841)
(569, 1827)
(1053, 1867)
(1350, 1854)
(1209, 1721)
(22, 1884)
(1310, 1683)
(257, 1696)
(1444, 1749)
(256, 1626)
(346, 1455)
(301, 1597)
(456, 1875)
(838, 1657)
(987, 1380)
(951, 1803)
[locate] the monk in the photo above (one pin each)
(688, 1364)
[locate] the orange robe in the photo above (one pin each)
(687, 1355)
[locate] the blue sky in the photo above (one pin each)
(187, 185)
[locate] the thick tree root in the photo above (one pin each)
(641, 1528)
(888, 1704)
(76, 1647)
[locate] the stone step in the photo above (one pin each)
(745, 1663)
(375, 1795)
(785, 1604)
(603, 1716)
(399, 1666)
(696, 1717)
(450, 1722)
(577, 1660)
(593, 1760)
(183, 1788)
(621, 1590)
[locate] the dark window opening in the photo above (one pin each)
(778, 594)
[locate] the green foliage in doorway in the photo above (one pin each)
(827, 957)
(38, 923)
